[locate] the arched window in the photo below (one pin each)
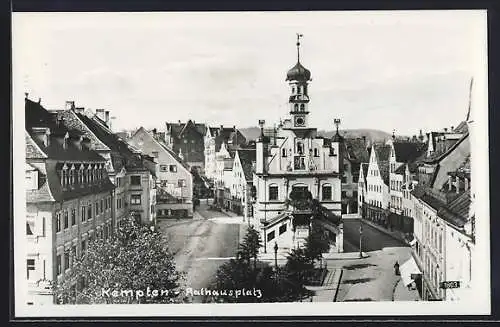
(326, 192)
(302, 107)
(300, 148)
(296, 107)
(293, 90)
(273, 192)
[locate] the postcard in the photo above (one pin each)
(319, 163)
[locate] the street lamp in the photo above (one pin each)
(360, 238)
(276, 255)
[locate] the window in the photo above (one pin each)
(135, 199)
(89, 211)
(326, 192)
(30, 269)
(181, 183)
(73, 216)
(59, 265)
(163, 168)
(300, 148)
(173, 168)
(302, 107)
(344, 179)
(282, 229)
(135, 180)
(66, 260)
(102, 206)
(273, 192)
(270, 236)
(296, 107)
(58, 221)
(66, 219)
(344, 194)
(283, 152)
(84, 246)
(96, 208)
(316, 152)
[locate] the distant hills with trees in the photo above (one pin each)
(374, 135)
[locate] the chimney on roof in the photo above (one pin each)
(179, 121)
(26, 95)
(106, 117)
(445, 129)
(450, 182)
(70, 105)
(39, 100)
(79, 110)
(221, 127)
(452, 128)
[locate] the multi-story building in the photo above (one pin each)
(174, 196)
(376, 197)
(403, 159)
(132, 172)
(354, 151)
(241, 179)
(443, 219)
(230, 137)
(187, 140)
(292, 158)
(69, 199)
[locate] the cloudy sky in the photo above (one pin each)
(382, 70)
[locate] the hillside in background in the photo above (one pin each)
(251, 133)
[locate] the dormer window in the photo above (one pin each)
(64, 175)
(300, 148)
(296, 107)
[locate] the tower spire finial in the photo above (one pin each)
(298, 46)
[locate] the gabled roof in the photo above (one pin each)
(247, 159)
(383, 167)
(382, 151)
(122, 154)
(364, 166)
(178, 129)
(225, 134)
(408, 151)
(356, 150)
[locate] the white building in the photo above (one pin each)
(290, 158)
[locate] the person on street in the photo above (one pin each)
(396, 268)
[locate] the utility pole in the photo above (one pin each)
(360, 238)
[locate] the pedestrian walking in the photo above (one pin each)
(396, 268)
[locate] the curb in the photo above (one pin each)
(383, 230)
(338, 285)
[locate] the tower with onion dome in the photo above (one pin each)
(298, 77)
(297, 177)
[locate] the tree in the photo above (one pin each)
(134, 259)
(250, 246)
(317, 243)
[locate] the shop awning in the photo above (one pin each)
(407, 269)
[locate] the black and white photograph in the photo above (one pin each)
(300, 163)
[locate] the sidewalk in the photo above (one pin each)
(344, 255)
(328, 291)
(402, 293)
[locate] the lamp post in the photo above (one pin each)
(276, 255)
(360, 238)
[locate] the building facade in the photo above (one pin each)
(292, 158)
(187, 140)
(175, 181)
(69, 199)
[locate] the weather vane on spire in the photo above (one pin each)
(298, 45)
(336, 121)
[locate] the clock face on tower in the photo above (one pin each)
(299, 121)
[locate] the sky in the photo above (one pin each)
(401, 71)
